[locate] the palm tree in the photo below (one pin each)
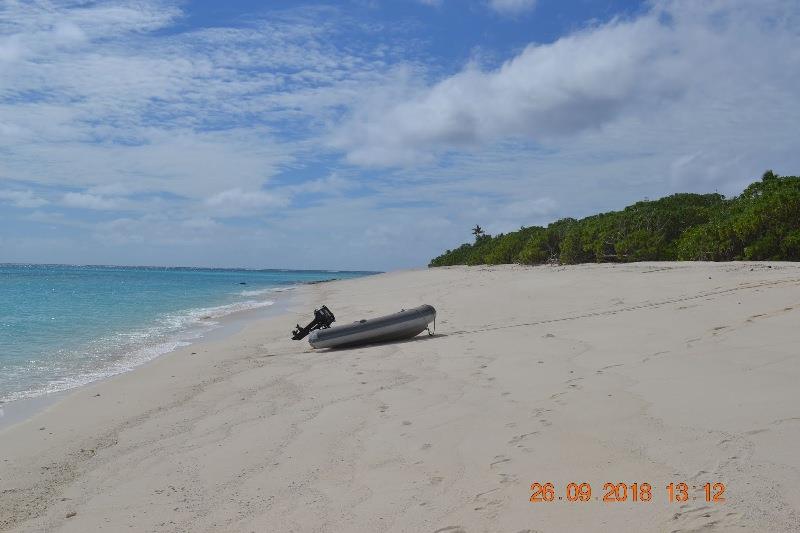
(477, 231)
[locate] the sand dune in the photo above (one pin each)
(651, 373)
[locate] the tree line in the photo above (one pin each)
(762, 223)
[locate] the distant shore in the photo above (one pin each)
(652, 373)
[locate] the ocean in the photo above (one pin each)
(65, 326)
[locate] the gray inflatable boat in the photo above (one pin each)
(403, 325)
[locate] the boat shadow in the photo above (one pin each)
(418, 338)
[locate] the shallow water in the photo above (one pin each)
(65, 326)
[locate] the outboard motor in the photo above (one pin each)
(323, 318)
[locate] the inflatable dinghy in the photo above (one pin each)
(406, 324)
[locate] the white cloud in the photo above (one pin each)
(684, 70)
(32, 29)
(200, 223)
(89, 201)
(236, 202)
(512, 7)
(50, 217)
(24, 199)
(531, 207)
(575, 83)
(333, 184)
(90, 97)
(113, 189)
(158, 230)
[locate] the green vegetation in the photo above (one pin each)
(762, 223)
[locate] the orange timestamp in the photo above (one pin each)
(625, 492)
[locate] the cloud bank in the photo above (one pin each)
(697, 69)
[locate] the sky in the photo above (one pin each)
(372, 134)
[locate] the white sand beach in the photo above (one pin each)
(640, 373)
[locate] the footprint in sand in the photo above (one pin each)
(705, 517)
(519, 438)
(573, 383)
(646, 359)
(785, 420)
(499, 459)
(557, 398)
(508, 478)
(491, 508)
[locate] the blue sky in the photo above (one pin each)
(372, 134)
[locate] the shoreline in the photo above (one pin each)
(642, 372)
(18, 411)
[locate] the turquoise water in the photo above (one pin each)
(65, 326)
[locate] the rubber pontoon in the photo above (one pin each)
(406, 324)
